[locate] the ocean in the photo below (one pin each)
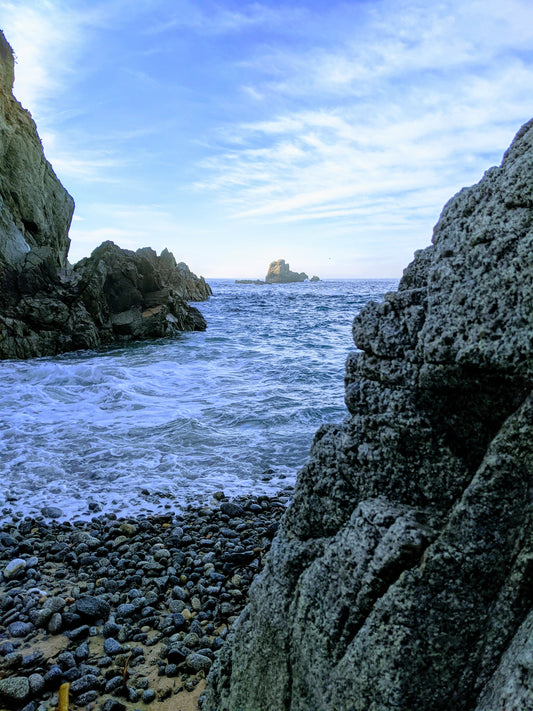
(154, 426)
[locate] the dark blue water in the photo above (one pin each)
(156, 425)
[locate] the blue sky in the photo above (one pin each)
(329, 134)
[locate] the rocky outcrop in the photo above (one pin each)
(113, 295)
(46, 307)
(402, 576)
(138, 294)
(35, 209)
(280, 273)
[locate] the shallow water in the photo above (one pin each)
(156, 425)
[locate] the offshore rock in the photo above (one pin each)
(280, 273)
(46, 307)
(402, 574)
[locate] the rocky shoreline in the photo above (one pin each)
(129, 612)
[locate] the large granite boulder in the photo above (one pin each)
(279, 273)
(46, 307)
(402, 575)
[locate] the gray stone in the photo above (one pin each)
(36, 682)
(231, 509)
(14, 688)
(51, 512)
(14, 569)
(92, 608)
(279, 273)
(55, 623)
(198, 662)
(110, 629)
(19, 629)
(83, 684)
(148, 696)
(400, 577)
(48, 307)
(112, 647)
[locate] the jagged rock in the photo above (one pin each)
(280, 273)
(134, 294)
(314, 278)
(35, 209)
(46, 307)
(402, 574)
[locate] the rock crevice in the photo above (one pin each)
(401, 575)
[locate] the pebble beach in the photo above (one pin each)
(128, 612)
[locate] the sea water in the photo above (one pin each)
(150, 427)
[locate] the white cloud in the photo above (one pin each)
(212, 18)
(47, 37)
(403, 114)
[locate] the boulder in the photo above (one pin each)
(46, 306)
(279, 273)
(401, 576)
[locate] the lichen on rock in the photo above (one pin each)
(402, 574)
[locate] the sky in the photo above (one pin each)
(329, 134)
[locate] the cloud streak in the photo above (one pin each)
(415, 104)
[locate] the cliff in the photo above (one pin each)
(46, 307)
(402, 575)
(35, 209)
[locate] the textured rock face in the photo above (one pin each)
(113, 295)
(280, 273)
(402, 576)
(138, 294)
(35, 209)
(46, 307)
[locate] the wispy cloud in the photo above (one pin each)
(48, 36)
(212, 18)
(413, 105)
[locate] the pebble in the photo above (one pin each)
(15, 688)
(148, 696)
(92, 608)
(36, 682)
(161, 590)
(112, 647)
(231, 509)
(51, 512)
(198, 662)
(55, 623)
(14, 569)
(20, 629)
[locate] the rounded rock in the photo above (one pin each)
(198, 662)
(112, 647)
(92, 608)
(51, 512)
(36, 682)
(55, 623)
(148, 696)
(15, 688)
(14, 569)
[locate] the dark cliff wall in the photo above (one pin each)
(46, 307)
(35, 209)
(402, 576)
